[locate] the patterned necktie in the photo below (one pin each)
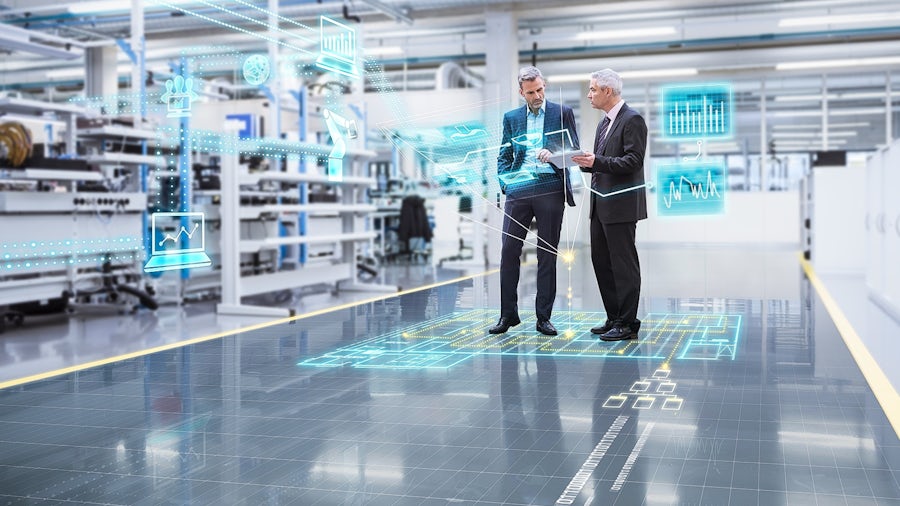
(599, 144)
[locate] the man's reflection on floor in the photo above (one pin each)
(534, 449)
(617, 375)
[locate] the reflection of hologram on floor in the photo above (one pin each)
(718, 339)
(449, 339)
(656, 391)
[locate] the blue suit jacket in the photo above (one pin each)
(556, 117)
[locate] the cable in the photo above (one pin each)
(16, 139)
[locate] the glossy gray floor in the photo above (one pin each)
(739, 391)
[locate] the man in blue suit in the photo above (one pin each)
(535, 189)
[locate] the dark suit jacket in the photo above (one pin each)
(620, 165)
(515, 124)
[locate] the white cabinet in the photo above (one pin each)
(883, 226)
(890, 194)
(874, 239)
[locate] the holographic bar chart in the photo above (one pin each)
(697, 111)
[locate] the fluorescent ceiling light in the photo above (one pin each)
(42, 44)
(79, 71)
(829, 64)
(809, 142)
(840, 19)
(830, 96)
(817, 135)
(382, 50)
(628, 74)
(817, 126)
(638, 74)
(629, 33)
(118, 5)
(818, 114)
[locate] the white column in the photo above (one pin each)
(888, 110)
(824, 113)
(763, 145)
(101, 75)
(273, 129)
(138, 69)
(501, 94)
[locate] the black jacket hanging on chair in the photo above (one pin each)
(413, 220)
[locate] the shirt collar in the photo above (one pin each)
(543, 109)
(615, 110)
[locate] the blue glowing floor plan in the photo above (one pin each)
(447, 340)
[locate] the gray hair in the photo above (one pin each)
(529, 74)
(606, 78)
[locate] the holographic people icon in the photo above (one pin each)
(256, 69)
(337, 47)
(337, 125)
(178, 97)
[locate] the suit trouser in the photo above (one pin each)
(544, 200)
(618, 269)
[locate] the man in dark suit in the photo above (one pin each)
(535, 189)
(618, 202)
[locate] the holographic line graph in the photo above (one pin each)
(624, 190)
(697, 190)
(184, 231)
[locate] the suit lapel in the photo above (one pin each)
(616, 126)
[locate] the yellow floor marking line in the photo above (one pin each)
(219, 335)
(884, 392)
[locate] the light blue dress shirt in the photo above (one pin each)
(535, 126)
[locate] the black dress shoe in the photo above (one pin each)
(503, 325)
(619, 333)
(546, 328)
(603, 329)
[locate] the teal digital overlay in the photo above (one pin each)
(178, 241)
(179, 96)
(447, 340)
(337, 47)
(256, 69)
(690, 189)
(697, 111)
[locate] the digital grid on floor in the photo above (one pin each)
(409, 401)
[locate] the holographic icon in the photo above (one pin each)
(178, 97)
(690, 189)
(697, 111)
(644, 395)
(464, 133)
(178, 250)
(517, 177)
(337, 47)
(529, 140)
(256, 69)
(337, 125)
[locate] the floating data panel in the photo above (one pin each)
(704, 111)
(690, 189)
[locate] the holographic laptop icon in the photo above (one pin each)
(337, 47)
(178, 242)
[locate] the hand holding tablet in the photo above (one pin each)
(566, 159)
